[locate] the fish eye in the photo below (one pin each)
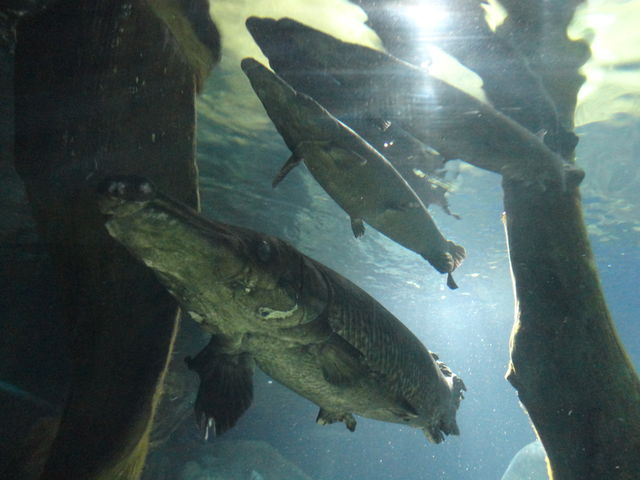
(263, 251)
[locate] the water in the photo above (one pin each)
(239, 152)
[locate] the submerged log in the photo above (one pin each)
(567, 362)
(570, 368)
(101, 88)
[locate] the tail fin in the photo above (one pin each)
(447, 260)
(447, 423)
(458, 254)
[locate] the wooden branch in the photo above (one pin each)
(102, 88)
(567, 362)
(537, 29)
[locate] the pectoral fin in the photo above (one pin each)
(340, 362)
(357, 226)
(293, 161)
(226, 389)
(327, 418)
(345, 157)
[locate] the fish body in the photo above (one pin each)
(351, 171)
(456, 124)
(267, 304)
(350, 104)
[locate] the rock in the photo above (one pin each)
(528, 464)
(240, 460)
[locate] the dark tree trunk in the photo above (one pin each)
(567, 363)
(105, 88)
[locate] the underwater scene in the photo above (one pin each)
(320, 240)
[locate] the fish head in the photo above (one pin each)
(216, 271)
(286, 40)
(266, 34)
(122, 195)
(169, 237)
(278, 39)
(296, 116)
(269, 87)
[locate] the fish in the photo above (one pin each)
(454, 123)
(265, 304)
(350, 105)
(351, 171)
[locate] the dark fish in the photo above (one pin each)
(351, 171)
(454, 123)
(300, 322)
(421, 166)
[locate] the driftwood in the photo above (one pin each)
(567, 363)
(104, 87)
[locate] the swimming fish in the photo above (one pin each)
(350, 105)
(268, 305)
(351, 171)
(454, 123)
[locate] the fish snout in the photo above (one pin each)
(247, 64)
(259, 28)
(124, 194)
(274, 93)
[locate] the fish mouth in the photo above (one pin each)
(122, 195)
(274, 37)
(275, 94)
(248, 64)
(260, 28)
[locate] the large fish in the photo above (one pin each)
(300, 322)
(351, 171)
(452, 122)
(421, 166)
